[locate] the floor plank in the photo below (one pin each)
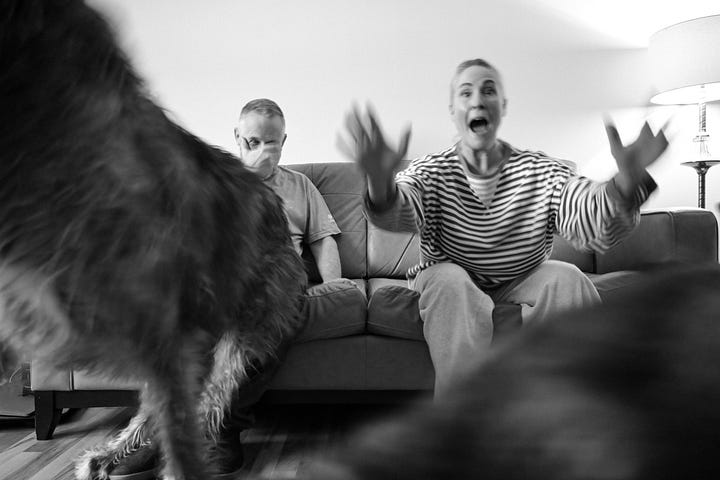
(277, 447)
(53, 459)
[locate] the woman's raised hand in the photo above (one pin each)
(365, 144)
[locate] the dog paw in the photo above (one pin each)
(94, 464)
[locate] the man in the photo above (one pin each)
(260, 134)
(487, 211)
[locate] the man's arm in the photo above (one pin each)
(327, 258)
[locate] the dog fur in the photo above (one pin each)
(127, 245)
(627, 390)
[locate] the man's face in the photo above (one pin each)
(477, 106)
(261, 139)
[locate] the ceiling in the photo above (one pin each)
(628, 23)
(569, 24)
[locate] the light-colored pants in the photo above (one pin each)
(457, 314)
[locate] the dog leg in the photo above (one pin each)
(240, 360)
(172, 397)
(96, 463)
(239, 377)
(229, 370)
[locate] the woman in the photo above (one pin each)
(487, 211)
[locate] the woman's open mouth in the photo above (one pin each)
(479, 125)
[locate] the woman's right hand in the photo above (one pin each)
(365, 144)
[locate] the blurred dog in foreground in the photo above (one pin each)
(628, 390)
(127, 245)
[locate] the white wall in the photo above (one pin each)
(204, 60)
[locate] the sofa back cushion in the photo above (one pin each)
(369, 252)
(564, 251)
(684, 234)
(669, 234)
(342, 186)
(391, 254)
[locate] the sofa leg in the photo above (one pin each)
(47, 415)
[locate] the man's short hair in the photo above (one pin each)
(263, 106)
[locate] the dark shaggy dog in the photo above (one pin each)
(628, 390)
(127, 245)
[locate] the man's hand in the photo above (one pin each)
(366, 146)
(632, 160)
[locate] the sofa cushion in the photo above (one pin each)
(335, 309)
(342, 186)
(360, 362)
(610, 285)
(678, 234)
(393, 308)
(397, 364)
(393, 311)
(562, 250)
(336, 364)
(391, 254)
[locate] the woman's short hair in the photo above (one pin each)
(475, 62)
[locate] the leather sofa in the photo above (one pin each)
(370, 348)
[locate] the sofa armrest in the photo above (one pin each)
(47, 377)
(665, 235)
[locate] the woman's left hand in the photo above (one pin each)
(633, 159)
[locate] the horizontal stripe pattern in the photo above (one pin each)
(536, 197)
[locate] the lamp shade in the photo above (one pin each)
(685, 62)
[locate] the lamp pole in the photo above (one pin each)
(705, 163)
(701, 167)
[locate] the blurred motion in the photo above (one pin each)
(626, 390)
(127, 245)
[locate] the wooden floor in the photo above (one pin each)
(276, 448)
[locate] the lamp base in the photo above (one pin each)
(701, 167)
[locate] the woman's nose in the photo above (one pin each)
(476, 100)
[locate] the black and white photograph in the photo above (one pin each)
(359, 240)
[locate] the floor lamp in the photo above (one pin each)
(685, 62)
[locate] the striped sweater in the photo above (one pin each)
(536, 197)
